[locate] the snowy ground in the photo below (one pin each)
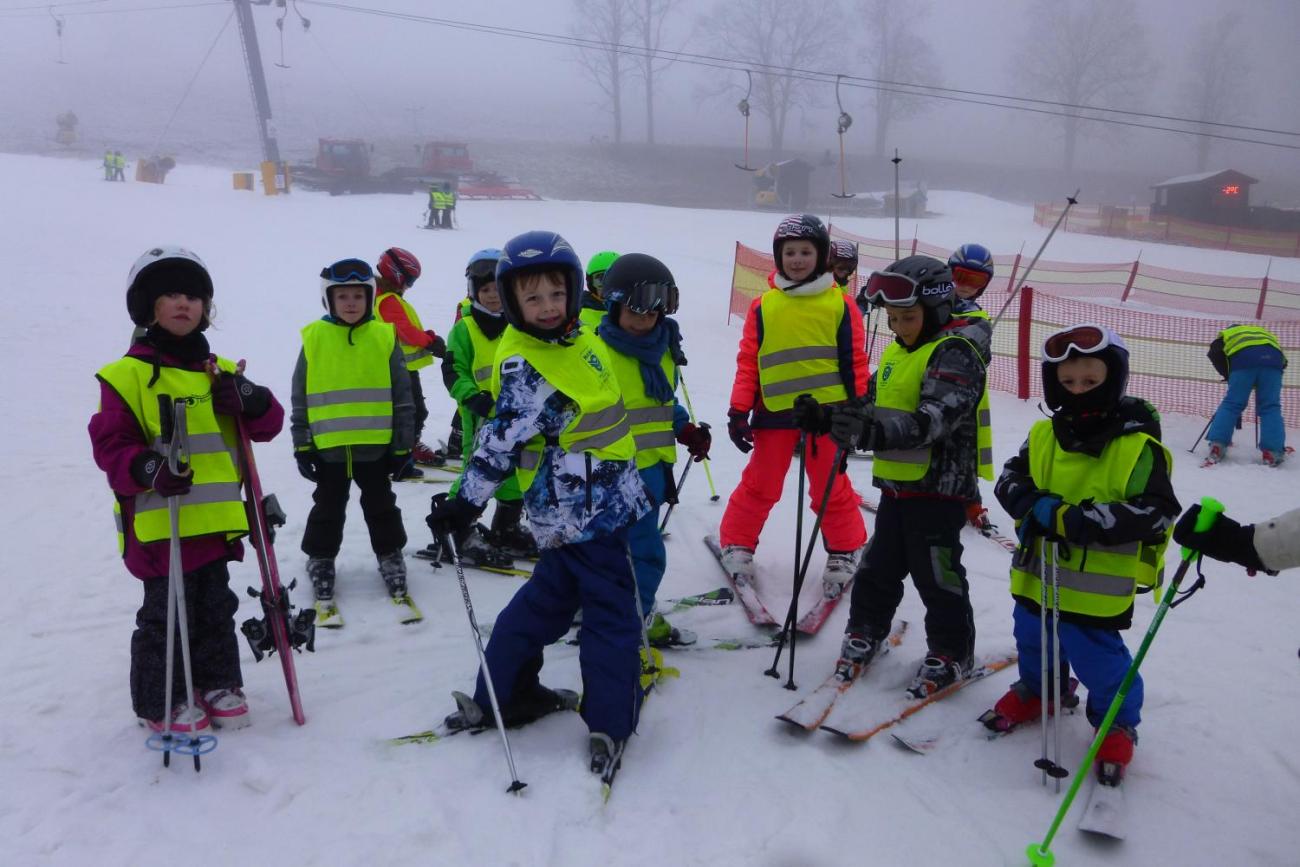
(712, 778)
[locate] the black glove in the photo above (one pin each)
(309, 464)
(437, 346)
(451, 516)
(150, 470)
(855, 427)
(234, 394)
(481, 404)
(1226, 540)
(810, 416)
(697, 440)
(739, 430)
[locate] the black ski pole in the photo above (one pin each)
(798, 549)
(1204, 431)
(677, 495)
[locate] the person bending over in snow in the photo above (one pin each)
(170, 295)
(1093, 482)
(561, 427)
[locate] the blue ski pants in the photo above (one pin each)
(1099, 658)
(649, 557)
(1266, 382)
(594, 576)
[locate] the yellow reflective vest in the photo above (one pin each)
(1239, 337)
(584, 372)
(651, 420)
(416, 356)
(215, 503)
(1100, 580)
(799, 353)
(349, 383)
(898, 392)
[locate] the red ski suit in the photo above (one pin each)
(775, 438)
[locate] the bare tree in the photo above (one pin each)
(895, 51)
(1085, 53)
(647, 30)
(787, 34)
(1216, 85)
(605, 22)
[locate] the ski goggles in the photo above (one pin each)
(1084, 339)
(647, 298)
(886, 287)
(970, 277)
(348, 271)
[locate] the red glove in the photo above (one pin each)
(697, 440)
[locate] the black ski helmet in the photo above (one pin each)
(160, 270)
(807, 227)
(1112, 352)
(641, 283)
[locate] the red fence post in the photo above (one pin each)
(1263, 293)
(1011, 281)
(1132, 275)
(1023, 328)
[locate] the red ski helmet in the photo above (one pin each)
(399, 266)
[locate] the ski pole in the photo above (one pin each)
(1040, 854)
(515, 784)
(1204, 431)
(649, 667)
(787, 627)
(680, 481)
(1071, 201)
(713, 492)
(1050, 697)
(1043, 661)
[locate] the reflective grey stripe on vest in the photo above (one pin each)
(605, 438)
(654, 439)
(482, 373)
(985, 417)
(423, 352)
(199, 444)
(338, 425)
(199, 495)
(650, 414)
(530, 459)
(901, 456)
(117, 521)
(602, 419)
(798, 353)
(350, 395)
(1096, 583)
(986, 456)
(802, 384)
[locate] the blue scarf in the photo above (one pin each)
(649, 350)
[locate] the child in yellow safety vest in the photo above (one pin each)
(352, 421)
(169, 295)
(1091, 493)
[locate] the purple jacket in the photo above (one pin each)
(116, 438)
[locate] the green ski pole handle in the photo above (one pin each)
(713, 492)
(1039, 854)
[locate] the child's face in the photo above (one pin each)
(798, 259)
(178, 313)
(966, 291)
(1081, 373)
(542, 299)
(489, 297)
(349, 303)
(906, 322)
(637, 324)
(843, 271)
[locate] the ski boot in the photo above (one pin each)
(408, 470)
(738, 561)
(476, 552)
(606, 755)
(1218, 451)
(838, 572)
(661, 633)
(422, 454)
(508, 534)
(1272, 459)
(937, 672)
(320, 571)
(185, 719)
(226, 708)
(392, 568)
(455, 439)
(1019, 705)
(468, 715)
(856, 653)
(1115, 754)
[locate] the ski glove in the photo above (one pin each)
(451, 516)
(437, 346)
(150, 470)
(1052, 519)
(1226, 539)
(233, 394)
(481, 404)
(309, 464)
(742, 435)
(810, 416)
(855, 427)
(697, 440)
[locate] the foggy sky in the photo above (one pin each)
(356, 75)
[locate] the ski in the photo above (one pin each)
(866, 730)
(810, 712)
(745, 591)
(567, 700)
(427, 480)
(721, 596)
(431, 557)
(328, 615)
(406, 609)
(992, 725)
(1104, 814)
(817, 615)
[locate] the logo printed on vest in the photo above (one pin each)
(886, 371)
(594, 361)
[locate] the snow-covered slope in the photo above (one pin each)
(711, 778)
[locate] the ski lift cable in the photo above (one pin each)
(190, 86)
(776, 69)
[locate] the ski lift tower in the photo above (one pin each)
(257, 77)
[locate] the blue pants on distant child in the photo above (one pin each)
(1098, 657)
(1266, 382)
(649, 556)
(594, 576)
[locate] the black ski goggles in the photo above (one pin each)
(1083, 339)
(348, 271)
(646, 298)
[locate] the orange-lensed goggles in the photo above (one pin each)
(970, 277)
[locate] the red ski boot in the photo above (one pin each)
(1115, 754)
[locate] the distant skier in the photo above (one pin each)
(1094, 479)
(1250, 358)
(169, 294)
(593, 297)
(844, 264)
(561, 427)
(119, 166)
